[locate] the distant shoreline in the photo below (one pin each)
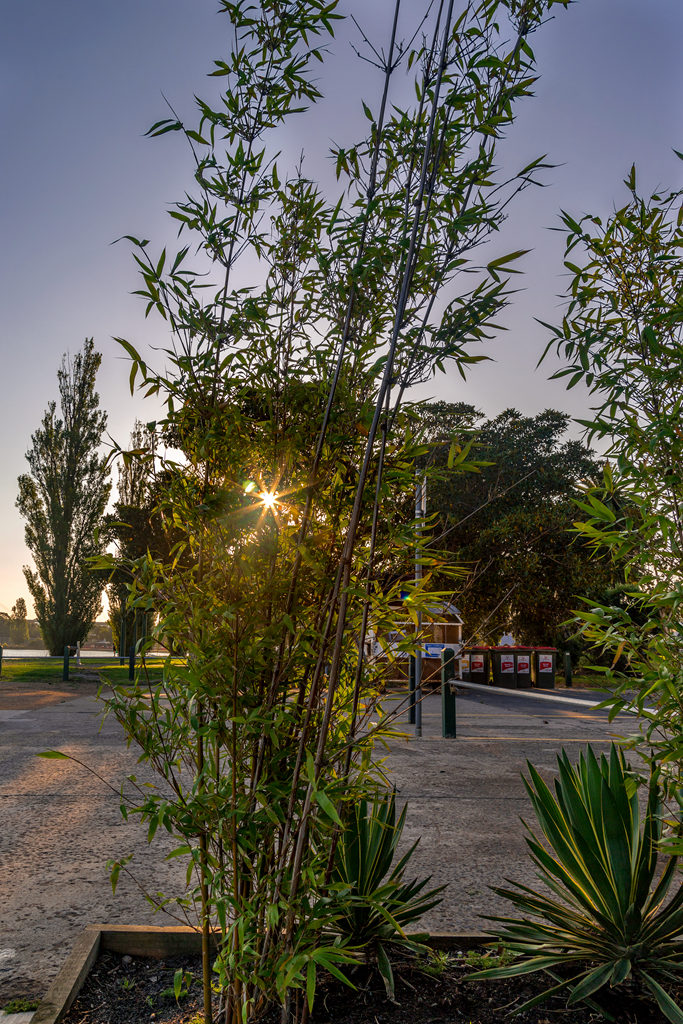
(86, 652)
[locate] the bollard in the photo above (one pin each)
(0, 661)
(448, 719)
(567, 669)
(411, 689)
(131, 662)
(122, 640)
(65, 669)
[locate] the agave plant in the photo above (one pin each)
(375, 905)
(612, 921)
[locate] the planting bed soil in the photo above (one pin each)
(138, 990)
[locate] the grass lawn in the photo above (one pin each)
(112, 672)
(43, 670)
(586, 680)
(49, 670)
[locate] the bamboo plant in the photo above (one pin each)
(288, 454)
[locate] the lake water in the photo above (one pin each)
(10, 652)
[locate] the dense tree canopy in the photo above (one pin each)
(19, 626)
(509, 521)
(136, 527)
(62, 499)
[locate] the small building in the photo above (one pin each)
(442, 627)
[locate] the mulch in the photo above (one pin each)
(136, 990)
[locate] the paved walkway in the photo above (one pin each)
(465, 796)
(60, 825)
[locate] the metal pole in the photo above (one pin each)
(65, 669)
(122, 639)
(567, 669)
(0, 661)
(420, 510)
(411, 689)
(448, 719)
(143, 638)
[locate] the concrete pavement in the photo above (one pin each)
(60, 824)
(465, 796)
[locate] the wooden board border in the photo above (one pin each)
(143, 940)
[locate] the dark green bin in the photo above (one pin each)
(524, 667)
(545, 667)
(503, 667)
(479, 665)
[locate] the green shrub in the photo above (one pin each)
(611, 921)
(375, 904)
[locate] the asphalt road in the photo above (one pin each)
(60, 824)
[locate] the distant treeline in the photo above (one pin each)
(100, 633)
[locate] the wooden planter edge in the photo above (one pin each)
(143, 940)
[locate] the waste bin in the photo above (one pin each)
(523, 657)
(465, 666)
(503, 666)
(545, 667)
(479, 665)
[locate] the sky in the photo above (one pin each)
(81, 81)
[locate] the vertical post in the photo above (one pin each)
(448, 719)
(143, 637)
(122, 639)
(411, 689)
(65, 668)
(567, 669)
(420, 511)
(131, 662)
(0, 661)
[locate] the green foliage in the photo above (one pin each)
(62, 499)
(435, 962)
(288, 457)
(612, 920)
(623, 336)
(507, 521)
(19, 625)
(21, 1005)
(490, 958)
(137, 528)
(375, 905)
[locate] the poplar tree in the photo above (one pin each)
(62, 498)
(19, 625)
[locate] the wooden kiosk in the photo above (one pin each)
(441, 627)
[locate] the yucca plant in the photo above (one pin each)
(613, 922)
(375, 904)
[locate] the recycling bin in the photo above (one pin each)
(523, 659)
(503, 666)
(545, 667)
(479, 665)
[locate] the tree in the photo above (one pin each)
(509, 520)
(135, 527)
(19, 625)
(62, 499)
(623, 336)
(283, 398)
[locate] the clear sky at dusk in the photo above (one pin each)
(81, 81)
